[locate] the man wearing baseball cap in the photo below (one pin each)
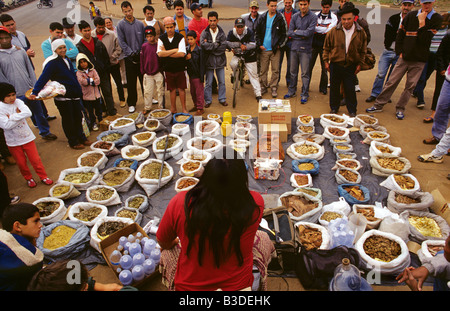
(388, 58)
(251, 19)
(198, 22)
(413, 47)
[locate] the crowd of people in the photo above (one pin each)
(165, 54)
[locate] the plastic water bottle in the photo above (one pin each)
(126, 262)
(148, 247)
(138, 259)
(120, 248)
(155, 255)
(118, 270)
(127, 246)
(126, 277)
(138, 273)
(139, 236)
(348, 278)
(143, 240)
(149, 266)
(134, 249)
(131, 238)
(115, 257)
(123, 240)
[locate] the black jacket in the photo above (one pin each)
(443, 53)
(100, 59)
(390, 32)
(414, 42)
(196, 65)
(248, 40)
(214, 52)
(279, 31)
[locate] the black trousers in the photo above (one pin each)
(133, 73)
(105, 87)
(318, 51)
(71, 118)
(115, 73)
(5, 199)
(94, 109)
(346, 75)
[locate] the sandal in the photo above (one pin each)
(428, 120)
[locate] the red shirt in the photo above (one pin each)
(190, 275)
(198, 26)
(90, 45)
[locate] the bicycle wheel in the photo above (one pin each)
(397, 2)
(236, 84)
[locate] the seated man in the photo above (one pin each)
(242, 38)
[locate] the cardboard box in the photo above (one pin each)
(104, 124)
(278, 129)
(275, 111)
(440, 205)
(109, 244)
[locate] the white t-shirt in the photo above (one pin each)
(348, 36)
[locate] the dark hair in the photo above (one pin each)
(5, 18)
(107, 17)
(212, 213)
(327, 2)
(148, 7)
(56, 26)
(268, 1)
(6, 89)
(125, 4)
(304, 1)
(56, 277)
(20, 212)
(99, 21)
(191, 33)
(83, 24)
(213, 14)
(91, 2)
(178, 3)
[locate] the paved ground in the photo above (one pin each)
(56, 155)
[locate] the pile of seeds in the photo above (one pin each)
(79, 178)
(116, 177)
(152, 170)
(88, 214)
(161, 144)
(100, 194)
(59, 237)
(381, 248)
(112, 137)
(91, 159)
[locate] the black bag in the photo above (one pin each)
(287, 247)
(315, 268)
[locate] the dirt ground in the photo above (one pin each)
(407, 134)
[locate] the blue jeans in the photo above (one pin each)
(38, 114)
(302, 59)
(220, 73)
(442, 114)
(385, 65)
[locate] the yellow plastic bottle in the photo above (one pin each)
(226, 128)
(228, 117)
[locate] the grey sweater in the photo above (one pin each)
(16, 69)
(130, 35)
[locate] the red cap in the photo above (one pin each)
(3, 28)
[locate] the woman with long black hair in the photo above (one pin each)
(211, 231)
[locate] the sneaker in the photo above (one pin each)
(95, 127)
(15, 200)
(154, 101)
(304, 100)
(374, 109)
(357, 88)
(430, 158)
(420, 105)
(131, 109)
(47, 181)
(258, 98)
(287, 96)
(31, 183)
(400, 115)
(274, 92)
(370, 99)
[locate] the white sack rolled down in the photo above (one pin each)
(81, 186)
(144, 205)
(137, 219)
(373, 136)
(57, 215)
(324, 121)
(306, 129)
(371, 224)
(338, 206)
(214, 131)
(323, 230)
(312, 215)
(343, 148)
(77, 207)
(340, 179)
(328, 132)
(181, 129)
(158, 125)
(95, 240)
(395, 266)
(166, 120)
(111, 151)
(194, 173)
(297, 156)
(391, 184)
(296, 185)
(338, 140)
(304, 119)
(145, 142)
(127, 128)
(113, 200)
(126, 184)
(324, 222)
(425, 198)
(424, 253)
(202, 156)
(213, 150)
(378, 170)
(150, 186)
(374, 151)
(101, 163)
(141, 157)
(177, 189)
(301, 137)
(339, 164)
(72, 193)
(170, 152)
(416, 236)
(366, 128)
(360, 120)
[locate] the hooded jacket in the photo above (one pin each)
(334, 46)
(100, 59)
(88, 79)
(279, 31)
(247, 39)
(214, 51)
